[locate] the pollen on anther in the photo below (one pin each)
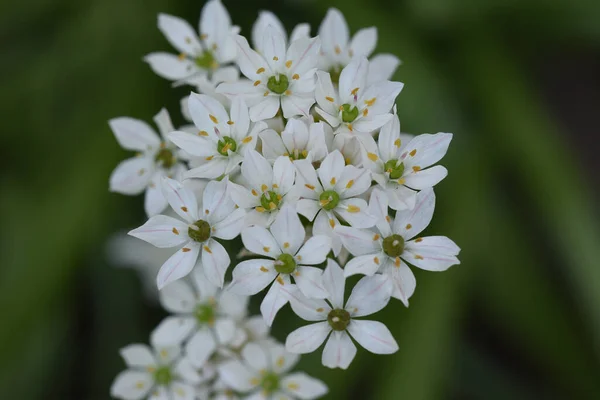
(376, 260)
(184, 209)
(293, 386)
(331, 222)
(365, 112)
(295, 77)
(254, 192)
(175, 231)
(181, 56)
(141, 171)
(260, 70)
(288, 64)
(206, 212)
(311, 187)
(247, 139)
(353, 209)
(286, 245)
(372, 156)
(139, 384)
(387, 218)
(397, 262)
(186, 249)
(288, 92)
(408, 226)
(266, 249)
(209, 158)
(349, 184)
(418, 240)
(337, 49)
(320, 309)
(299, 258)
(354, 91)
(213, 118)
(264, 187)
(329, 99)
(263, 269)
(203, 133)
(266, 93)
(332, 181)
(397, 142)
(418, 257)
(416, 168)
(350, 128)
(280, 362)
(207, 249)
(256, 83)
(280, 280)
(412, 153)
(370, 102)
(275, 58)
(376, 236)
(260, 209)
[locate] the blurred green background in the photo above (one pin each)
(518, 82)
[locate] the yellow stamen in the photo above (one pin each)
(372, 156)
(288, 63)
(260, 70)
(329, 99)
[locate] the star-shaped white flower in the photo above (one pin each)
(339, 323)
(280, 77)
(355, 107)
(287, 257)
(330, 193)
(400, 167)
(301, 139)
(222, 139)
(200, 55)
(266, 19)
(216, 217)
(264, 373)
(338, 50)
(158, 373)
(157, 157)
(266, 189)
(394, 244)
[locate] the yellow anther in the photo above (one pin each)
(353, 209)
(230, 122)
(175, 231)
(203, 133)
(260, 209)
(331, 222)
(349, 184)
(275, 58)
(207, 249)
(213, 118)
(288, 63)
(295, 77)
(260, 70)
(397, 142)
(376, 236)
(209, 158)
(256, 83)
(370, 102)
(254, 192)
(332, 181)
(329, 99)
(266, 249)
(280, 280)
(412, 153)
(286, 245)
(372, 156)
(416, 168)
(408, 226)
(264, 187)
(311, 187)
(263, 269)
(247, 139)
(354, 91)
(337, 49)
(376, 260)
(181, 56)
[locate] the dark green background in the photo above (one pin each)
(516, 81)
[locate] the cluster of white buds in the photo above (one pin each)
(308, 129)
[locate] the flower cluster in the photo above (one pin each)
(293, 146)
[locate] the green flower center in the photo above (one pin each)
(199, 231)
(225, 145)
(163, 376)
(394, 169)
(335, 73)
(165, 157)
(204, 313)
(393, 245)
(270, 200)
(349, 113)
(270, 382)
(338, 319)
(206, 60)
(329, 199)
(278, 83)
(285, 264)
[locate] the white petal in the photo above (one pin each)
(273, 48)
(252, 276)
(307, 338)
(288, 230)
(265, 109)
(353, 76)
(309, 309)
(178, 265)
(169, 66)
(215, 25)
(300, 31)
(404, 283)
(385, 92)
(315, 250)
(306, 179)
(275, 299)
(133, 134)
(233, 305)
(166, 354)
(159, 393)
(265, 19)
(257, 170)
(225, 330)
(216, 203)
(182, 200)
(173, 330)
(367, 264)
(231, 226)
(180, 34)
(401, 198)
(238, 376)
(382, 67)
(178, 297)
(339, 351)
(353, 182)
(427, 178)
(296, 104)
(182, 391)
(137, 355)
(323, 225)
(373, 336)
(206, 291)
(284, 174)
(198, 146)
(310, 282)
(433, 253)
(201, 346)
(242, 196)
(429, 149)
(308, 208)
(325, 94)
(260, 241)
(132, 176)
(212, 169)
(252, 94)
(354, 211)
(334, 31)
(302, 386)
(410, 223)
(334, 282)
(240, 118)
(295, 134)
(256, 328)
(364, 41)
(272, 144)
(131, 385)
(331, 169)
(255, 356)
(358, 241)
(371, 294)
(378, 208)
(282, 360)
(371, 123)
(154, 200)
(389, 140)
(215, 262)
(162, 231)
(304, 54)
(208, 114)
(186, 371)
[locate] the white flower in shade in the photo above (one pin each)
(350, 148)
(301, 139)
(205, 315)
(287, 257)
(330, 193)
(395, 244)
(266, 188)
(338, 50)
(155, 374)
(222, 140)
(355, 107)
(267, 18)
(200, 55)
(264, 373)
(279, 77)
(216, 217)
(401, 167)
(157, 157)
(339, 323)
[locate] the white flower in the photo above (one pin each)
(393, 246)
(355, 107)
(222, 140)
(350, 148)
(266, 190)
(206, 316)
(264, 372)
(215, 217)
(278, 77)
(301, 139)
(338, 50)
(267, 18)
(159, 373)
(370, 295)
(199, 55)
(287, 257)
(157, 157)
(330, 192)
(208, 86)
(400, 167)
